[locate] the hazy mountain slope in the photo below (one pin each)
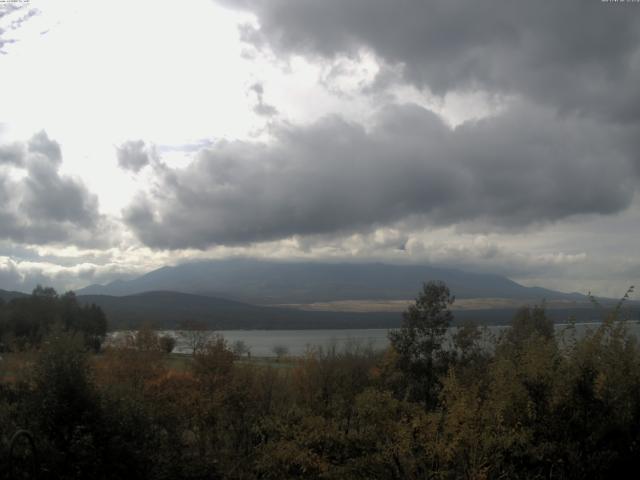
(280, 282)
(7, 295)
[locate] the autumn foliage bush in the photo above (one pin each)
(532, 403)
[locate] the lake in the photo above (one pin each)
(262, 342)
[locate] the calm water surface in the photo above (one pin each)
(263, 342)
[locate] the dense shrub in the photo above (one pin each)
(530, 405)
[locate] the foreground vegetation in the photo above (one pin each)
(532, 406)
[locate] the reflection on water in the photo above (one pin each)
(262, 343)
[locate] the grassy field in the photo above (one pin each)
(364, 306)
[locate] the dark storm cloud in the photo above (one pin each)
(574, 55)
(42, 206)
(133, 155)
(524, 166)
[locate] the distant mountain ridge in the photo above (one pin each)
(8, 295)
(270, 283)
(168, 310)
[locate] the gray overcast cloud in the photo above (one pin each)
(521, 167)
(575, 55)
(44, 206)
(133, 155)
(497, 135)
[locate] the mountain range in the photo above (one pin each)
(274, 283)
(252, 294)
(171, 310)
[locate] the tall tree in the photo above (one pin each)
(418, 343)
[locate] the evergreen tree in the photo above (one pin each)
(418, 343)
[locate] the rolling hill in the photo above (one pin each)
(8, 295)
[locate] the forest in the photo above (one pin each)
(531, 403)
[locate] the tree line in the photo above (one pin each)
(26, 321)
(530, 403)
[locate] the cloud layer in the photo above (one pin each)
(579, 56)
(338, 117)
(525, 166)
(38, 205)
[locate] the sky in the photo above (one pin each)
(496, 136)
